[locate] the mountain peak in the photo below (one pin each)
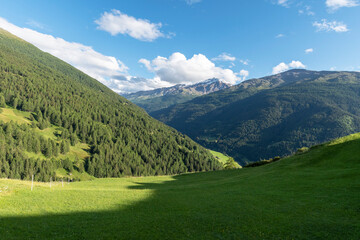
(164, 97)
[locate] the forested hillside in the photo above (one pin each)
(118, 138)
(271, 116)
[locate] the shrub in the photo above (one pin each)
(263, 162)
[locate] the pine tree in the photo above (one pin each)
(2, 101)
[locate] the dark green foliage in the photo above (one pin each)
(2, 101)
(124, 140)
(271, 116)
(67, 165)
(14, 140)
(262, 162)
(157, 103)
(231, 164)
(64, 147)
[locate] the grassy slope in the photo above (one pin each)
(222, 158)
(8, 114)
(219, 156)
(314, 195)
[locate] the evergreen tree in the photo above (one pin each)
(2, 101)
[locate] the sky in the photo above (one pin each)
(134, 45)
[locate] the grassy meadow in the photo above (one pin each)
(222, 158)
(313, 195)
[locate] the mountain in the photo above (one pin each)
(270, 116)
(57, 122)
(157, 99)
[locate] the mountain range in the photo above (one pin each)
(270, 116)
(56, 120)
(160, 98)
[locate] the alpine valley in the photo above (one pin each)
(271, 116)
(231, 137)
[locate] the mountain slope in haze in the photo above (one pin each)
(157, 99)
(270, 116)
(62, 106)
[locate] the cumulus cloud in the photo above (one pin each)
(282, 67)
(224, 57)
(127, 84)
(280, 35)
(243, 74)
(177, 69)
(333, 26)
(336, 4)
(83, 57)
(116, 22)
(296, 64)
(309, 50)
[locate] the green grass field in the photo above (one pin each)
(222, 158)
(20, 117)
(315, 195)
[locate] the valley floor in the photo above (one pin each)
(315, 195)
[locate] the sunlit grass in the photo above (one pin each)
(19, 117)
(64, 197)
(314, 195)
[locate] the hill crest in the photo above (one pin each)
(157, 99)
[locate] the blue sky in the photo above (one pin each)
(132, 45)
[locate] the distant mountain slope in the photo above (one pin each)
(60, 106)
(157, 99)
(270, 116)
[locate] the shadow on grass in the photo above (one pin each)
(259, 203)
(168, 214)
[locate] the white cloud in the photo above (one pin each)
(127, 84)
(335, 26)
(83, 57)
(336, 4)
(280, 35)
(224, 57)
(146, 63)
(243, 74)
(116, 22)
(309, 50)
(178, 69)
(191, 2)
(296, 64)
(281, 67)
